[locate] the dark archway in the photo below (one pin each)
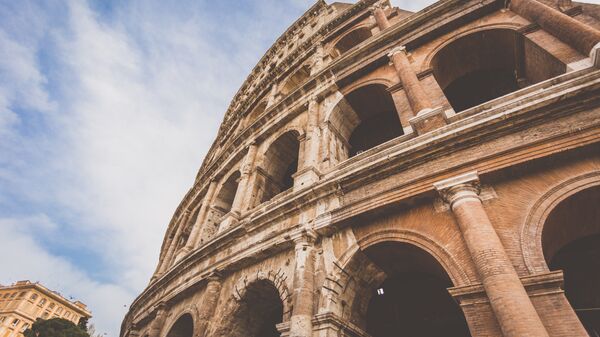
(183, 327)
(488, 64)
(295, 80)
(365, 118)
(352, 39)
(571, 242)
(226, 195)
(256, 112)
(280, 164)
(257, 313)
(413, 299)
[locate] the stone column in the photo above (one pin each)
(246, 168)
(209, 303)
(308, 172)
(303, 294)
(273, 95)
(575, 33)
(514, 311)
(417, 98)
(200, 221)
(171, 250)
(158, 322)
(317, 62)
(380, 17)
(245, 171)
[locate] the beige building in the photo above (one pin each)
(24, 302)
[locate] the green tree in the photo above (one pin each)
(55, 327)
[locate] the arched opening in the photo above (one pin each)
(571, 242)
(280, 164)
(293, 82)
(488, 64)
(363, 119)
(257, 313)
(224, 199)
(184, 327)
(408, 298)
(255, 113)
(352, 39)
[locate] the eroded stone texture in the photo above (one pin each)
(333, 202)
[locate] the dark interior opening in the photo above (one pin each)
(259, 312)
(413, 300)
(379, 121)
(489, 64)
(352, 39)
(571, 243)
(184, 327)
(281, 162)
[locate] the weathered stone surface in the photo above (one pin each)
(319, 209)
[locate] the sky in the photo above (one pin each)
(107, 108)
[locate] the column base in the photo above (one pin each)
(546, 294)
(331, 325)
(428, 120)
(181, 254)
(229, 220)
(306, 177)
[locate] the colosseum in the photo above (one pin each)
(388, 173)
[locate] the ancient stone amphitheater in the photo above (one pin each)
(388, 173)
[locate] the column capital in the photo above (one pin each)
(396, 50)
(461, 187)
(375, 7)
(213, 275)
(304, 237)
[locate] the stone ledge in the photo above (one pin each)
(535, 285)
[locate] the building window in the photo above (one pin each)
(15, 322)
(42, 302)
(6, 295)
(59, 310)
(45, 315)
(24, 327)
(33, 297)
(13, 295)
(51, 306)
(22, 294)
(2, 319)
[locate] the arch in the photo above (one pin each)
(258, 304)
(255, 113)
(351, 39)
(364, 118)
(570, 241)
(280, 162)
(531, 230)
(387, 260)
(182, 327)
(485, 64)
(224, 198)
(295, 80)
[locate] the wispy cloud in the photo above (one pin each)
(106, 111)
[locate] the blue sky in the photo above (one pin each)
(107, 109)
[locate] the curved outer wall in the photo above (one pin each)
(367, 147)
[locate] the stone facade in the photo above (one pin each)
(24, 302)
(386, 173)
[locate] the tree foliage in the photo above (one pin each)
(55, 327)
